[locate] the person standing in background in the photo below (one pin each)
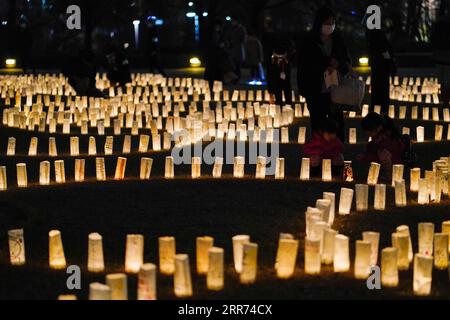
(440, 40)
(279, 75)
(254, 56)
(235, 36)
(153, 48)
(382, 63)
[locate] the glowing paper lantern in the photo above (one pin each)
(44, 173)
(260, 168)
(312, 256)
(52, 151)
(169, 172)
(325, 206)
(99, 291)
(362, 197)
(11, 149)
(414, 179)
(203, 244)
(345, 201)
(146, 168)
(196, 167)
(217, 169)
(389, 270)
(117, 282)
(420, 131)
(304, 171)
(352, 136)
(67, 297)
(109, 142)
(327, 256)
(134, 253)
(446, 229)
(279, 169)
(400, 193)
(374, 172)
(95, 253)
(341, 259)
(32, 150)
(286, 258)
(182, 277)
(380, 197)
(126, 148)
(403, 229)
(348, 171)
(423, 267)
(397, 173)
(22, 180)
(57, 259)
(401, 243)
(362, 259)
(238, 167)
(441, 251)
(423, 196)
(3, 178)
(326, 170)
(79, 170)
(120, 168)
(426, 238)
(147, 282)
(74, 146)
(249, 263)
(238, 251)
(60, 172)
(143, 143)
(214, 277)
(100, 171)
(312, 215)
(374, 239)
(301, 135)
(438, 131)
(332, 197)
(167, 255)
(16, 247)
(92, 146)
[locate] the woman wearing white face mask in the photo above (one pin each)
(322, 50)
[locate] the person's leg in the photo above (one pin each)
(279, 96)
(287, 93)
(385, 158)
(316, 114)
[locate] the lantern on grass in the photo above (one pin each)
(74, 146)
(286, 257)
(326, 170)
(3, 178)
(325, 206)
(279, 169)
(120, 168)
(389, 270)
(167, 255)
(52, 151)
(374, 172)
(249, 263)
(348, 171)
(423, 196)
(400, 193)
(182, 276)
(99, 291)
(109, 143)
(145, 168)
(11, 149)
(238, 251)
(380, 197)
(345, 201)
(44, 173)
(95, 253)
(441, 251)
(400, 241)
(16, 243)
(332, 197)
(57, 259)
(426, 238)
(217, 169)
(92, 146)
(352, 136)
(169, 172)
(79, 170)
(304, 171)
(196, 167)
(420, 131)
(67, 297)
(312, 256)
(100, 171)
(147, 282)
(203, 244)
(374, 239)
(362, 197)
(362, 259)
(238, 167)
(341, 259)
(446, 229)
(22, 180)
(32, 150)
(301, 135)
(327, 256)
(214, 277)
(260, 167)
(414, 179)
(423, 268)
(397, 173)
(134, 253)
(60, 172)
(117, 282)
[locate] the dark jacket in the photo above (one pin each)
(275, 67)
(312, 63)
(377, 45)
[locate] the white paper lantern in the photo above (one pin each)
(341, 259)
(374, 172)
(118, 284)
(215, 275)
(95, 253)
(16, 243)
(362, 259)
(147, 282)
(279, 169)
(312, 256)
(100, 170)
(196, 167)
(99, 291)
(389, 270)
(374, 239)
(182, 276)
(238, 167)
(44, 173)
(167, 255)
(414, 179)
(400, 193)
(169, 172)
(326, 170)
(441, 251)
(328, 246)
(426, 238)
(304, 172)
(79, 170)
(286, 258)
(60, 172)
(345, 201)
(22, 180)
(397, 173)
(423, 267)
(249, 263)
(420, 131)
(238, 245)
(400, 241)
(404, 229)
(203, 244)
(362, 197)
(3, 178)
(332, 197)
(57, 259)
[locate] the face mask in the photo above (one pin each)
(328, 29)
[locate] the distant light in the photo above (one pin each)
(10, 63)
(191, 14)
(255, 83)
(190, 4)
(159, 22)
(112, 34)
(195, 62)
(136, 22)
(205, 14)
(364, 61)
(353, 12)
(4, 22)
(228, 18)
(151, 18)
